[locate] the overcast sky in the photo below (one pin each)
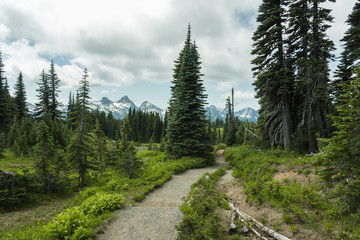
(129, 47)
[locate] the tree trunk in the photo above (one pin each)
(287, 123)
(259, 225)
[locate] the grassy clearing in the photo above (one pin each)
(301, 203)
(79, 216)
(9, 162)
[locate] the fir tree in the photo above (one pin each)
(6, 105)
(156, 135)
(350, 55)
(20, 98)
(99, 145)
(309, 48)
(230, 127)
(54, 84)
(79, 149)
(341, 161)
(128, 162)
(186, 131)
(44, 151)
(273, 84)
(43, 106)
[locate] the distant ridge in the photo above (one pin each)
(245, 114)
(121, 107)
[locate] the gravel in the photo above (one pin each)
(158, 214)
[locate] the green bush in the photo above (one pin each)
(17, 188)
(101, 203)
(65, 224)
(200, 219)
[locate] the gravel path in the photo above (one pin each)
(156, 216)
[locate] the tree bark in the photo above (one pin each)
(259, 225)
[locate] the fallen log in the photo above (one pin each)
(245, 229)
(233, 226)
(258, 224)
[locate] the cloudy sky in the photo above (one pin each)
(129, 47)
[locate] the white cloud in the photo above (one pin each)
(123, 42)
(240, 96)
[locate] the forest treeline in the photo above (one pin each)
(68, 146)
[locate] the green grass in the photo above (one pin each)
(9, 162)
(200, 220)
(300, 203)
(79, 216)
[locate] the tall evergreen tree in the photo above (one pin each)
(54, 84)
(128, 162)
(230, 127)
(310, 51)
(341, 161)
(99, 145)
(186, 132)
(20, 98)
(156, 135)
(350, 55)
(6, 105)
(78, 148)
(43, 106)
(44, 151)
(273, 84)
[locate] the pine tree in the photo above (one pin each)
(165, 125)
(350, 55)
(273, 84)
(20, 98)
(186, 132)
(128, 162)
(44, 151)
(6, 105)
(341, 161)
(70, 111)
(230, 127)
(157, 129)
(54, 84)
(78, 149)
(310, 51)
(43, 106)
(99, 145)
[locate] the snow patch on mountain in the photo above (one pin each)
(120, 108)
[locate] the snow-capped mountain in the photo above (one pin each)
(215, 113)
(121, 107)
(149, 107)
(248, 114)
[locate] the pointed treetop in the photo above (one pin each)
(188, 36)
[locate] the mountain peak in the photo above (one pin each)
(105, 101)
(125, 99)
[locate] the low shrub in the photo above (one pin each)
(101, 203)
(65, 224)
(200, 219)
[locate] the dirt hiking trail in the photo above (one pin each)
(158, 214)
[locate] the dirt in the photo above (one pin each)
(270, 217)
(284, 173)
(158, 214)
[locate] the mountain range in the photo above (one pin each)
(121, 107)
